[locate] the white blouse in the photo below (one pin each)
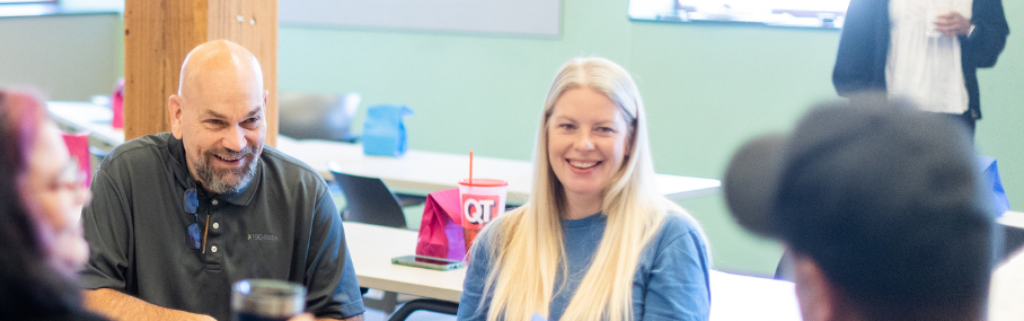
(923, 65)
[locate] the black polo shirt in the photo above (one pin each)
(283, 226)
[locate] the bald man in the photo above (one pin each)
(178, 217)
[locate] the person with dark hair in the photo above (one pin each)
(925, 50)
(880, 206)
(41, 242)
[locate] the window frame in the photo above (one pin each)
(777, 14)
(9, 2)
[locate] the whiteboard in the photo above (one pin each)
(526, 17)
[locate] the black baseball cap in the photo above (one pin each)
(884, 197)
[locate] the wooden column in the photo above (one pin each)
(158, 34)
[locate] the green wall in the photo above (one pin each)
(707, 87)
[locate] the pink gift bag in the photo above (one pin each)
(78, 147)
(441, 228)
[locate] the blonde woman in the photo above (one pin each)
(596, 241)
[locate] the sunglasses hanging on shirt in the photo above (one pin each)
(191, 206)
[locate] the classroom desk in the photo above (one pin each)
(1011, 218)
(416, 172)
(1012, 224)
(733, 297)
(372, 258)
(432, 171)
(1006, 294)
(85, 116)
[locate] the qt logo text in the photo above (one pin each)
(478, 209)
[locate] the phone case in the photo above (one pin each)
(446, 267)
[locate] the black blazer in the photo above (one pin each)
(864, 47)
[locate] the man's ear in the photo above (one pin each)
(174, 111)
(266, 93)
(818, 298)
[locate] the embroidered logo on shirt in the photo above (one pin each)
(263, 237)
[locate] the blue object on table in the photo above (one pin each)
(383, 131)
(990, 179)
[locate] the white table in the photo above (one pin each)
(1006, 293)
(1012, 218)
(415, 172)
(85, 116)
(433, 171)
(733, 297)
(372, 248)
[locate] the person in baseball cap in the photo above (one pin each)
(880, 207)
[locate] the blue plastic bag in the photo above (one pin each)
(384, 132)
(990, 179)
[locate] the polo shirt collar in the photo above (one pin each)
(176, 148)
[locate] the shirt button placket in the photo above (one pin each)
(214, 234)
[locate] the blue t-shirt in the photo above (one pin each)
(671, 282)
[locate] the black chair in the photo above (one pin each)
(784, 271)
(425, 305)
(368, 200)
(317, 116)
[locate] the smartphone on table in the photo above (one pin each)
(427, 262)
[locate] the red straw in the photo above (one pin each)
(471, 167)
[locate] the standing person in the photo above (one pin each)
(179, 217)
(880, 206)
(925, 50)
(43, 193)
(596, 240)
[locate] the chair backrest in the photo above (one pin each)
(784, 271)
(317, 116)
(368, 200)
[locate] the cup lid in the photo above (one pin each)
(484, 182)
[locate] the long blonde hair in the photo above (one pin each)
(528, 242)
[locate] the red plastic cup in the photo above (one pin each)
(482, 200)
